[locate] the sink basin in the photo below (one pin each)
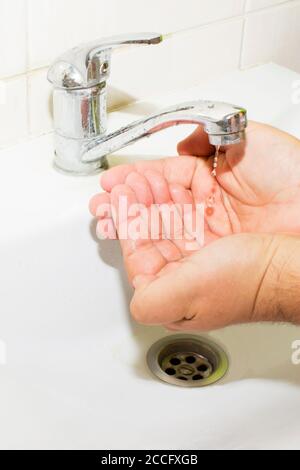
(75, 374)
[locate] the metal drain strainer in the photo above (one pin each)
(187, 361)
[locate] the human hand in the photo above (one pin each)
(238, 206)
(257, 188)
(258, 181)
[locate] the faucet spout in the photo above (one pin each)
(224, 123)
(81, 140)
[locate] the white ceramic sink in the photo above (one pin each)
(75, 375)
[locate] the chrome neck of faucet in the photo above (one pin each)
(79, 78)
(224, 123)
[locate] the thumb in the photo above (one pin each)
(142, 280)
(197, 144)
(165, 299)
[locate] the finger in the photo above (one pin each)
(140, 185)
(174, 170)
(171, 219)
(118, 174)
(123, 200)
(102, 199)
(159, 187)
(196, 144)
(142, 280)
(147, 261)
(140, 254)
(180, 195)
(192, 219)
(106, 230)
(166, 299)
(169, 251)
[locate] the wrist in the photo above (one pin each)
(288, 280)
(279, 298)
(267, 264)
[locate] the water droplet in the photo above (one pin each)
(215, 161)
(209, 211)
(211, 200)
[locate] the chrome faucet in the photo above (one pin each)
(80, 79)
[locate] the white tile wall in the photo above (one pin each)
(39, 103)
(13, 110)
(273, 35)
(182, 61)
(13, 53)
(258, 4)
(56, 25)
(205, 38)
(173, 15)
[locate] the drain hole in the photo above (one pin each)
(175, 361)
(190, 359)
(197, 377)
(170, 371)
(187, 361)
(202, 368)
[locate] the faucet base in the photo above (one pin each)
(89, 169)
(68, 158)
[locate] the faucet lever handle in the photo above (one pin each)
(88, 65)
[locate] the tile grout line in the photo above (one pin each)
(243, 34)
(270, 7)
(27, 67)
(174, 33)
(242, 16)
(168, 36)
